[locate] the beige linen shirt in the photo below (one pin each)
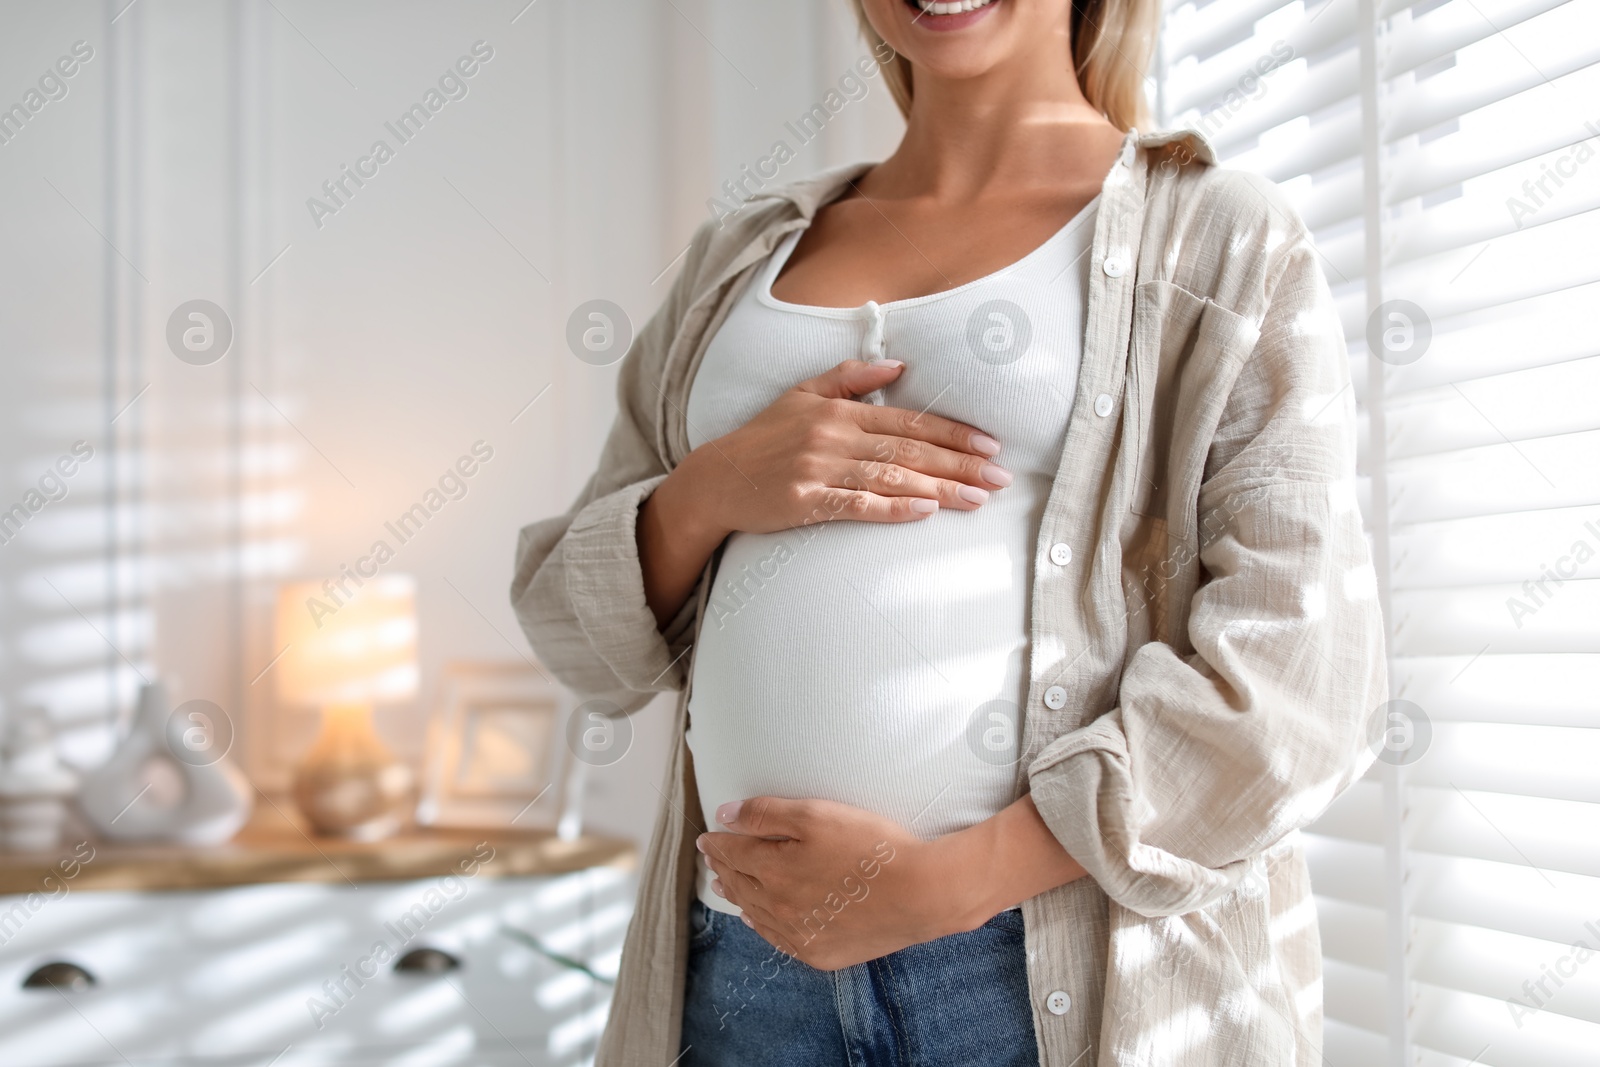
(1204, 664)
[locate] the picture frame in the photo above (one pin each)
(496, 755)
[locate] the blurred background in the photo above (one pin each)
(241, 346)
(372, 346)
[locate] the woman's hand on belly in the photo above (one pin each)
(834, 885)
(812, 455)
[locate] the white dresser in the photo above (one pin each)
(277, 951)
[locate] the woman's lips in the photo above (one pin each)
(959, 21)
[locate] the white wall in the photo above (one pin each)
(374, 349)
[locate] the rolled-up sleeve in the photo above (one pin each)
(1213, 755)
(578, 589)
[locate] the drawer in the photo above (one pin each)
(247, 973)
(119, 938)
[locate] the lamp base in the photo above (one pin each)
(350, 785)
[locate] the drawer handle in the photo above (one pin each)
(66, 977)
(426, 961)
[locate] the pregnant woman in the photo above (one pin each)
(992, 507)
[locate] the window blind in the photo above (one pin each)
(1446, 156)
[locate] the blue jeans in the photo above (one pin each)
(960, 1000)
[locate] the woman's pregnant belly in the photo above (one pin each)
(882, 666)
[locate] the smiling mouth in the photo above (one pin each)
(928, 8)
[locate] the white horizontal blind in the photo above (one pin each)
(1458, 884)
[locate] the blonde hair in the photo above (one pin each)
(1112, 41)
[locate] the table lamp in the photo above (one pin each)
(344, 650)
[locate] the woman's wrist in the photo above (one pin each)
(964, 863)
(997, 864)
(676, 535)
(684, 508)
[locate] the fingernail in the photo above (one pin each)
(995, 475)
(972, 494)
(985, 445)
(716, 887)
(924, 507)
(896, 363)
(728, 812)
(746, 920)
(700, 843)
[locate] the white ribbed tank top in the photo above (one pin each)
(884, 665)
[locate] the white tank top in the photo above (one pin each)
(885, 665)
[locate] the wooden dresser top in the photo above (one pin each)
(273, 848)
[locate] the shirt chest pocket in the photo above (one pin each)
(1184, 354)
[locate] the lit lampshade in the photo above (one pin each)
(344, 650)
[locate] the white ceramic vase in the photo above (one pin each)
(170, 778)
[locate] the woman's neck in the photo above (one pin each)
(1015, 127)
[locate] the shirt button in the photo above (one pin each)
(1058, 1003)
(1061, 555)
(1055, 698)
(1102, 405)
(1114, 266)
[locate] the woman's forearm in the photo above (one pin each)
(675, 540)
(1004, 860)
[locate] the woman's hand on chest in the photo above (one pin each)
(813, 455)
(816, 454)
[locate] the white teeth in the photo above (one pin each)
(952, 8)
